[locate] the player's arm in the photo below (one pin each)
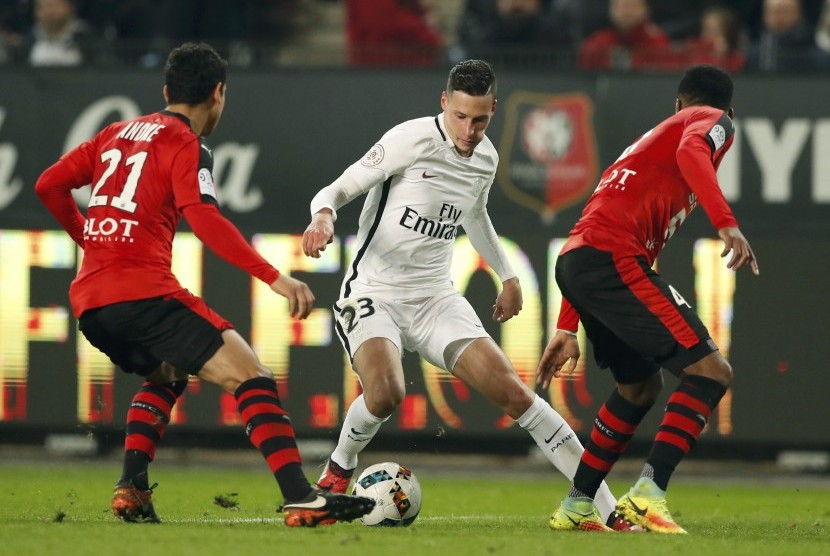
(485, 240)
(353, 183)
(394, 152)
(563, 347)
(695, 156)
(54, 188)
(224, 239)
(196, 198)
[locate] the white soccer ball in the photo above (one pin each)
(396, 491)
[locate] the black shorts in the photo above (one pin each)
(137, 336)
(636, 322)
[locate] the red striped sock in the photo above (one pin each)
(269, 429)
(147, 421)
(149, 414)
(687, 412)
(613, 428)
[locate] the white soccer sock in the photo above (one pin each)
(559, 443)
(359, 427)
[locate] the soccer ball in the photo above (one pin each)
(396, 491)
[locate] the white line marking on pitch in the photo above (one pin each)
(267, 520)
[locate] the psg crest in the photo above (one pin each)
(548, 151)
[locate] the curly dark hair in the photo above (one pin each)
(474, 77)
(706, 85)
(192, 72)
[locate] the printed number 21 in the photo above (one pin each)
(124, 201)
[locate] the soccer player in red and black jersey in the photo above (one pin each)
(145, 174)
(636, 321)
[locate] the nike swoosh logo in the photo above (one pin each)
(547, 440)
(207, 149)
(357, 432)
(318, 502)
(427, 176)
(640, 511)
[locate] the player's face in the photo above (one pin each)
(466, 118)
(216, 110)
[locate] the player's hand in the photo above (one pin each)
(318, 234)
(734, 240)
(509, 302)
(562, 349)
(300, 298)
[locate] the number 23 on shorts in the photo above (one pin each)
(352, 310)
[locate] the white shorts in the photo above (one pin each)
(426, 325)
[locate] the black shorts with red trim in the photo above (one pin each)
(179, 329)
(636, 322)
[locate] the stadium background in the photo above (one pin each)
(288, 132)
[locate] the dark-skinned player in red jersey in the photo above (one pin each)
(637, 323)
(145, 174)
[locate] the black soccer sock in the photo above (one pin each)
(136, 463)
(687, 412)
(613, 428)
(269, 429)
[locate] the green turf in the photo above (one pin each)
(64, 509)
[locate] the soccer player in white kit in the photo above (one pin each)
(425, 179)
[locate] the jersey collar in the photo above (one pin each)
(181, 117)
(439, 123)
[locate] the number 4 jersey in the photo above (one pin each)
(644, 196)
(144, 173)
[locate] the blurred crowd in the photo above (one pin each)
(591, 35)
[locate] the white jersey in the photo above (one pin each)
(420, 192)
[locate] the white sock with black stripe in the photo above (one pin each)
(359, 427)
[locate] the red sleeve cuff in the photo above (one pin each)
(269, 275)
(568, 317)
(54, 191)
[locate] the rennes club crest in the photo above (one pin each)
(548, 151)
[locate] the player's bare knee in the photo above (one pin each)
(231, 380)
(381, 401)
(722, 372)
(517, 401)
(263, 372)
(382, 407)
(714, 367)
(642, 393)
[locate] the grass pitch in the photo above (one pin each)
(64, 509)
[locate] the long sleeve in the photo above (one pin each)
(353, 183)
(694, 158)
(483, 236)
(224, 239)
(57, 197)
(568, 317)
(394, 152)
(54, 188)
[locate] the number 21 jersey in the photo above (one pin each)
(142, 172)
